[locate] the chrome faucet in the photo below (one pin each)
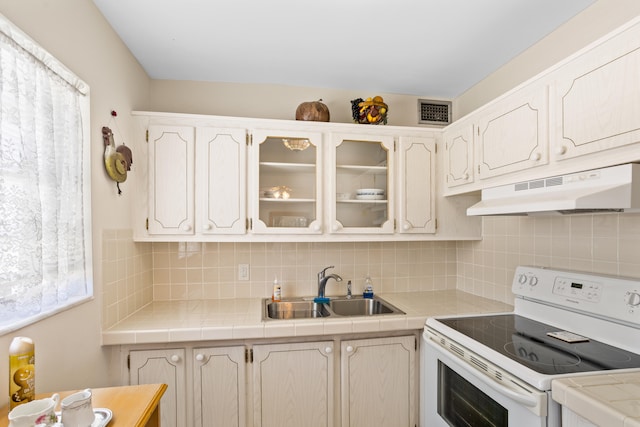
(322, 280)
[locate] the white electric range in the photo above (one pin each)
(496, 370)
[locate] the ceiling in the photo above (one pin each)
(435, 48)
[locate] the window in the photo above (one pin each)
(45, 217)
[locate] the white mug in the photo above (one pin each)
(76, 409)
(39, 412)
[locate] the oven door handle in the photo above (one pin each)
(533, 400)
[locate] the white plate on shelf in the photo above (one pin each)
(370, 197)
(370, 192)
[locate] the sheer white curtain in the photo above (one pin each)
(43, 183)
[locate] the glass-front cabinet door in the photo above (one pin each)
(286, 183)
(361, 182)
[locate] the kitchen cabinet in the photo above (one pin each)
(286, 187)
(219, 382)
(293, 384)
(595, 98)
(171, 180)
(211, 160)
(512, 134)
(221, 170)
(233, 179)
(378, 378)
(361, 193)
(458, 154)
(416, 185)
(165, 366)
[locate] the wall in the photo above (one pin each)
(604, 243)
(68, 348)
(270, 101)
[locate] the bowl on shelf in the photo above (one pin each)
(370, 194)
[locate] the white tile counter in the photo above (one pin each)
(224, 319)
(611, 400)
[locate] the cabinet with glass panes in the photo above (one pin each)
(287, 185)
(361, 195)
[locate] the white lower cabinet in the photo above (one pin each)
(293, 385)
(163, 366)
(219, 387)
(323, 383)
(378, 382)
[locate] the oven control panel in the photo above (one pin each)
(601, 295)
(581, 289)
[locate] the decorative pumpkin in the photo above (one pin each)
(314, 111)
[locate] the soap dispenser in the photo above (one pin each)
(368, 288)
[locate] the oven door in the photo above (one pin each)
(454, 393)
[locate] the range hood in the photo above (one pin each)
(612, 189)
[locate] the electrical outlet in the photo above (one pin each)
(243, 271)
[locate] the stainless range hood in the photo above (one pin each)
(612, 189)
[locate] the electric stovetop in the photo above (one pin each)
(526, 342)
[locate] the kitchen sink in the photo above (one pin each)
(361, 307)
(294, 309)
(306, 308)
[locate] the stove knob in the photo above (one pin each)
(633, 299)
(533, 281)
(522, 279)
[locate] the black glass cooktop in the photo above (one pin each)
(526, 341)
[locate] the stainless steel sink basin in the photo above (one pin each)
(305, 308)
(293, 309)
(361, 307)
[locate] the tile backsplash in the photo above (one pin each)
(135, 274)
(604, 243)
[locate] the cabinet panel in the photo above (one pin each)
(416, 185)
(596, 98)
(287, 186)
(378, 382)
(458, 155)
(221, 177)
(171, 180)
(220, 387)
(512, 135)
(163, 366)
(360, 164)
(293, 384)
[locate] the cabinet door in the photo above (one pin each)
(416, 185)
(171, 180)
(163, 366)
(512, 134)
(286, 185)
(293, 385)
(378, 382)
(595, 99)
(361, 193)
(458, 155)
(221, 181)
(219, 387)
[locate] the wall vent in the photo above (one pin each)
(431, 112)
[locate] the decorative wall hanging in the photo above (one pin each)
(117, 160)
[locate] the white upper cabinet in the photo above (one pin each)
(221, 170)
(458, 154)
(416, 185)
(286, 185)
(512, 135)
(596, 98)
(361, 184)
(171, 180)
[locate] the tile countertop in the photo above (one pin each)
(224, 319)
(611, 400)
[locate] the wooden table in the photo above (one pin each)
(132, 406)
